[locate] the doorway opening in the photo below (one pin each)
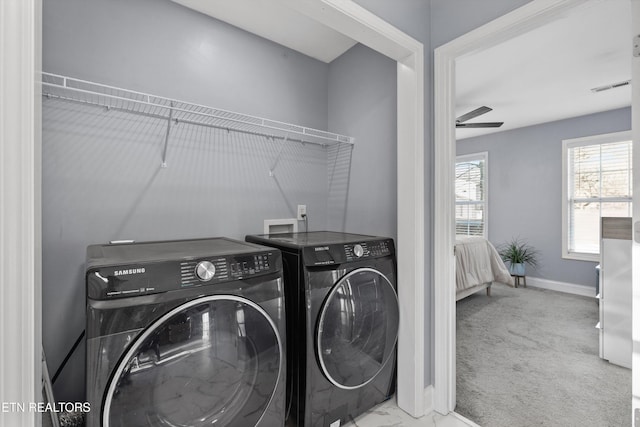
(531, 16)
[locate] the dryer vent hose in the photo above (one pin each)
(66, 359)
(71, 419)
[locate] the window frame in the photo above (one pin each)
(484, 156)
(606, 138)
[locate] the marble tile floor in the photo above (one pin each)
(388, 414)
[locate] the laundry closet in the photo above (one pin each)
(119, 164)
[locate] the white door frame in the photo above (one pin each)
(21, 241)
(20, 237)
(635, 273)
(530, 16)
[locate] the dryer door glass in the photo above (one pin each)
(213, 361)
(357, 328)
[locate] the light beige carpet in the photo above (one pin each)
(529, 357)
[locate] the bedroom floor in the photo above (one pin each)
(529, 356)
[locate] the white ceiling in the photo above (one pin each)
(541, 76)
(273, 21)
(547, 73)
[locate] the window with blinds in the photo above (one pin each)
(598, 183)
(471, 195)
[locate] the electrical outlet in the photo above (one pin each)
(302, 212)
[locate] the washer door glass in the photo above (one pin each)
(213, 361)
(357, 328)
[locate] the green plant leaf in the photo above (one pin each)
(518, 251)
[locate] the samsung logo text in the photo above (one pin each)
(129, 271)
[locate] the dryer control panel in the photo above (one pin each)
(366, 250)
(349, 252)
(149, 278)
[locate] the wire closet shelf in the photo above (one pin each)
(174, 111)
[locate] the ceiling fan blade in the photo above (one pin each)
(471, 114)
(480, 125)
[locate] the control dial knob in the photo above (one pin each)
(205, 270)
(358, 251)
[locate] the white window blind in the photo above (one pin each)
(598, 184)
(471, 195)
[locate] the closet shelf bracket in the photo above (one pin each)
(166, 137)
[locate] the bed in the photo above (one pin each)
(478, 265)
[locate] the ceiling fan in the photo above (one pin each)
(475, 113)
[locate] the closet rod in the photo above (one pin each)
(111, 97)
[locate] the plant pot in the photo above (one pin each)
(516, 269)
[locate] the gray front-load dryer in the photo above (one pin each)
(342, 323)
(185, 333)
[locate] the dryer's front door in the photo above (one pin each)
(214, 361)
(357, 328)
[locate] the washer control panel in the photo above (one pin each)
(225, 268)
(150, 278)
(192, 272)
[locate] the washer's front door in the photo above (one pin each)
(213, 361)
(357, 328)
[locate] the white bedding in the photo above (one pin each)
(477, 263)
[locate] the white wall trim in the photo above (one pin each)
(519, 21)
(411, 255)
(444, 232)
(356, 22)
(350, 19)
(428, 399)
(635, 274)
(465, 420)
(567, 288)
(20, 257)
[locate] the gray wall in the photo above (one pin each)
(160, 47)
(362, 103)
(525, 187)
(102, 178)
(453, 18)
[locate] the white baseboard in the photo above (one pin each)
(428, 399)
(465, 420)
(567, 288)
(428, 408)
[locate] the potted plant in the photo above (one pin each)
(518, 253)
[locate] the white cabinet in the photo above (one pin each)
(615, 291)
